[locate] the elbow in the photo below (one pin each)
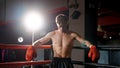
(36, 43)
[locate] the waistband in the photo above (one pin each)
(61, 59)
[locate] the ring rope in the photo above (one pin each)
(94, 64)
(15, 46)
(21, 63)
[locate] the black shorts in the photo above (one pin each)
(61, 63)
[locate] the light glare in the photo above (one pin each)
(33, 21)
(20, 39)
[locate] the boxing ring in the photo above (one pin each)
(19, 64)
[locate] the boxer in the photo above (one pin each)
(62, 41)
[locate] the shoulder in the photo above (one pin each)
(74, 34)
(50, 33)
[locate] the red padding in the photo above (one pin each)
(13, 46)
(22, 63)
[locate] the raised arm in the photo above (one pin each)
(31, 52)
(43, 40)
(82, 40)
(94, 54)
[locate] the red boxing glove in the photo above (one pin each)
(94, 54)
(30, 53)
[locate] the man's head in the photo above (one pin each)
(61, 20)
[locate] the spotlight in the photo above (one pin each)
(33, 20)
(20, 39)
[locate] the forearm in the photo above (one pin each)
(87, 43)
(36, 43)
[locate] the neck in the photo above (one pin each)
(63, 29)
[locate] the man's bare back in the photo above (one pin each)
(62, 38)
(62, 44)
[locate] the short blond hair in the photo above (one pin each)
(61, 19)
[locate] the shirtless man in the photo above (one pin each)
(62, 41)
